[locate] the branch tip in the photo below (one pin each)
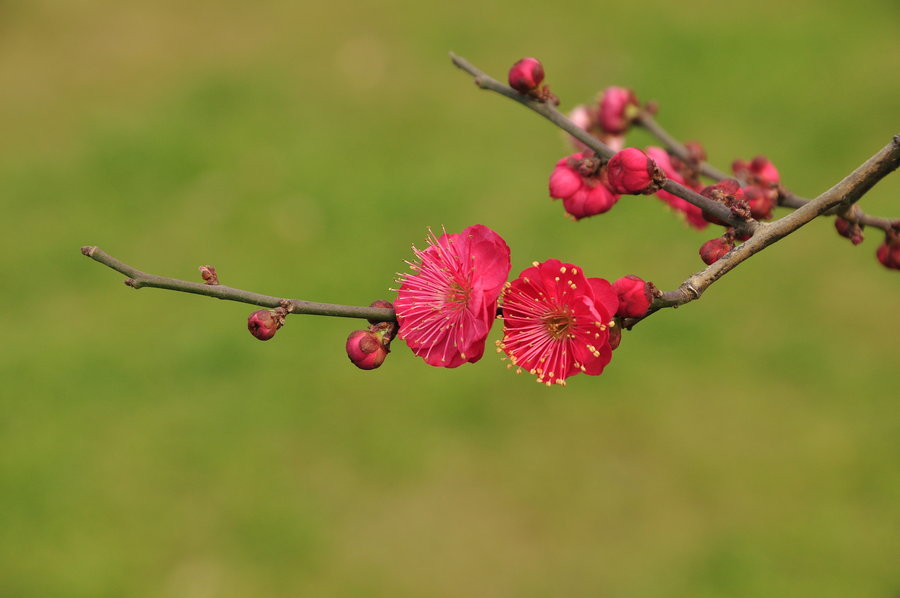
(88, 250)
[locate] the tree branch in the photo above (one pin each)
(549, 112)
(839, 197)
(138, 279)
(786, 198)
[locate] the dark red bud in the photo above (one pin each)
(850, 230)
(365, 349)
(714, 249)
(526, 74)
(263, 324)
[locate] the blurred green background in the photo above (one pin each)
(745, 445)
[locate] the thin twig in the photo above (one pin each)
(138, 279)
(549, 112)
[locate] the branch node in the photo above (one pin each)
(130, 282)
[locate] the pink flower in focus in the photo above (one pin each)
(692, 214)
(618, 108)
(556, 321)
(579, 182)
(446, 307)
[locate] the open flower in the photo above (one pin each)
(446, 307)
(556, 321)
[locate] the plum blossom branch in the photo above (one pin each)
(840, 197)
(138, 279)
(786, 198)
(548, 111)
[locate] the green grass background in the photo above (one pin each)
(744, 445)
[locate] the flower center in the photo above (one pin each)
(457, 294)
(558, 324)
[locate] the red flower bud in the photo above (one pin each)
(888, 253)
(634, 172)
(712, 250)
(725, 192)
(759, 171)
(761, 202)
(263, 324)
(851, 230)
(618, 108)
(365, 349)
(590, 201)
(526, 75)
(634, 296)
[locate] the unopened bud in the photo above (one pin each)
(759, 171)
(633, 172)
(761, 202)
(618, 108)
(526, 74)
(208, 273)
(263, 324)
(888, 253)
(850, 230)
(713, 250)
(365, 349)
(634, 295)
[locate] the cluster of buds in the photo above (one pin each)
(609, 118)
(762, 185)
(526, 76)
(730, 194)
(580, 180)
(367, 349)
